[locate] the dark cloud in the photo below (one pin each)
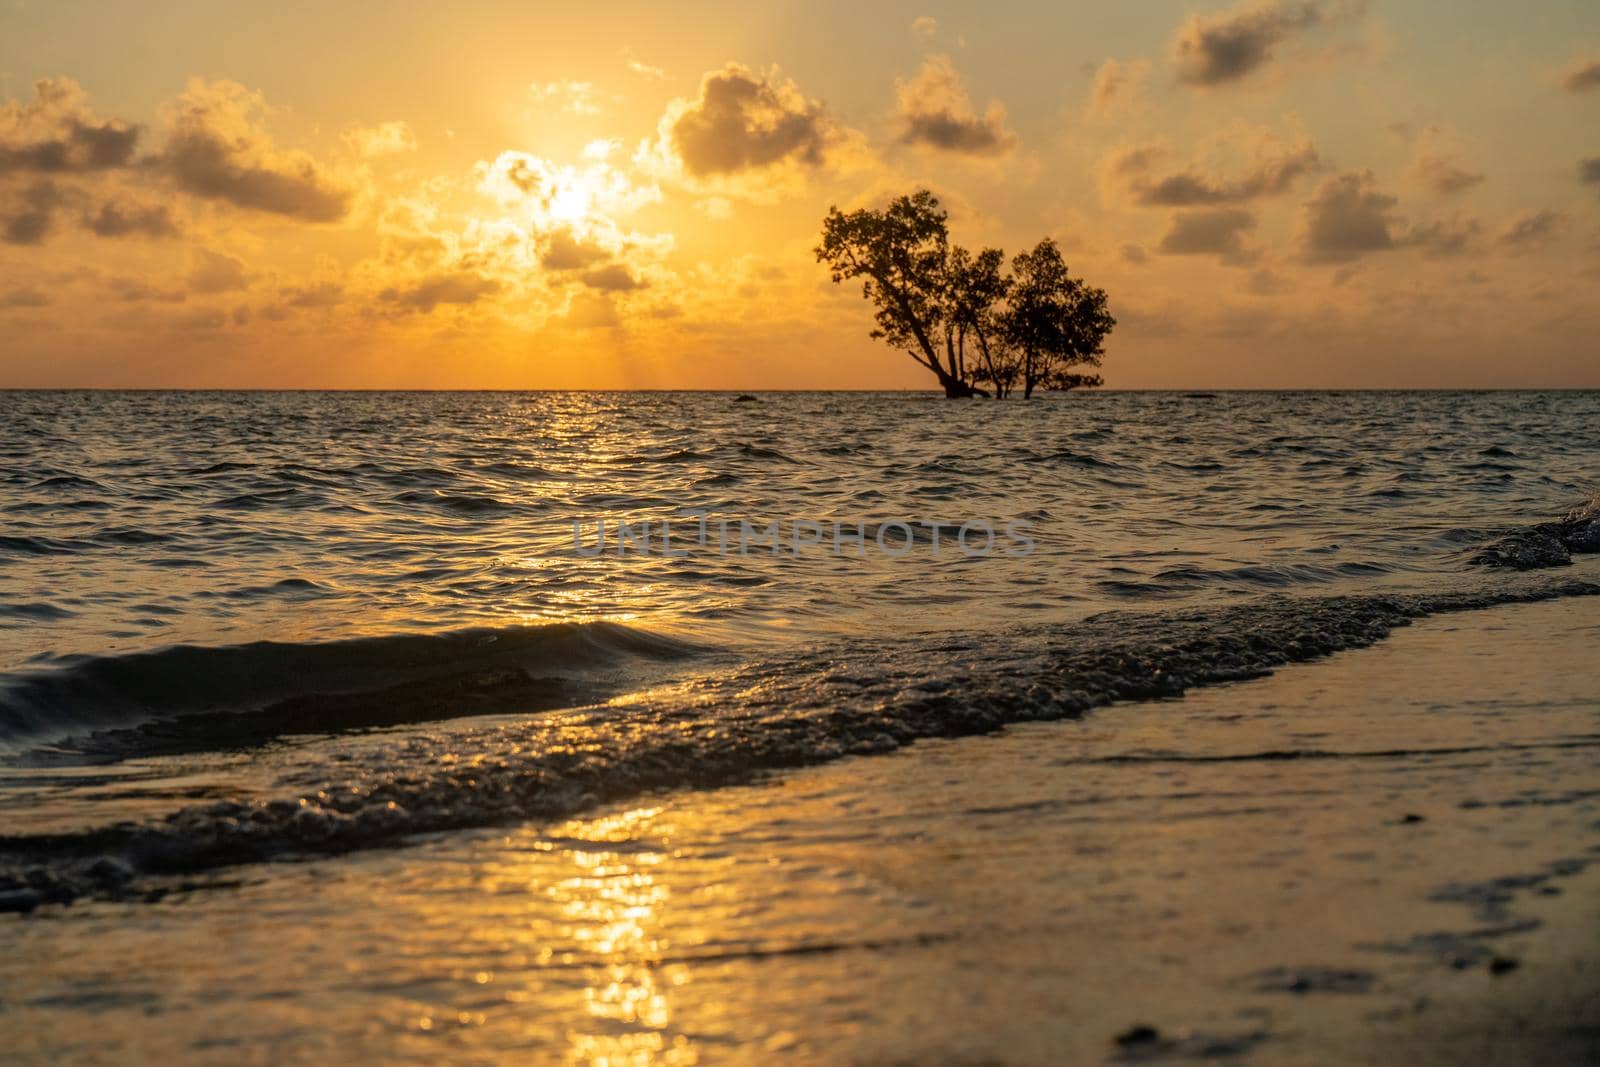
(1218, 49)
(564, 250)
(217, 150)
(614, 278)
(744, 121)
(1272, 175)
(24, 298)
(1583, 77)
(1210, 232)
(55, 133)
(1531, 228)
(1589, 171)
(200, 319)
(935, 111)
(459, 287)
(1265, 283)
(1444, 238)
(130, 220)
(1347, 218)
(135, 291)
(1444, 175)
(216, 273)
(318, 295)
(30, 213)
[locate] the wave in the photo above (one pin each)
(34, 610)
(1188, 578)
(1548, 544)
(193, 698)
(806, 707)
(70, 481)
(40, 546)
(757, 452)
(681, 455)
(1068, 457)
(458, 503)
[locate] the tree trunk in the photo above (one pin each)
(988, 361)
(955, 388)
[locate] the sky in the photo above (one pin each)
(1280, 194)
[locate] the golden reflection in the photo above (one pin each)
(611, 907)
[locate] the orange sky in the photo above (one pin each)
(1317, 193)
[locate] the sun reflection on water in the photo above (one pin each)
(611, 910)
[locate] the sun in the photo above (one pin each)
(587, 194)
(572, 197)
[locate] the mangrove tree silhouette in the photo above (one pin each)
(962, 315)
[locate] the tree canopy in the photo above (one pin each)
(981, 330)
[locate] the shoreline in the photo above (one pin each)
(1238, 872)
(783, 714)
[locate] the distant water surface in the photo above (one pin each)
(251, 642)
(341, 618)
(134, 521)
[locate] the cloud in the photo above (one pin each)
(644, 70)
(386, 138)
(1348, 218)
(935, 111)
(1115, 85)
(573, 97)
(216, 273)
(1273, 171)
(31, 213)
(1436, 167)
(314, 295)
(555, 195)
(457, 287)
(55, 133)
(218, 150)
(1216, 231)
(1213, 50)
(613, 278)
(1589, 171)
(1531, 228)
(1444, 175)
(564, 250)
(1582, 78)
(199, 319)
(924, 25)
(554, 228)
(744, 121)
(1265, 283)
(134, 291)
(24, 298)
(115, 219)
(1444, 238)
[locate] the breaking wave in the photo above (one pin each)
(1549, 544)
(206, 698)
(788, 710)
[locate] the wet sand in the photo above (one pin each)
(1384, 857)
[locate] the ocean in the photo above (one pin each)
(247, 628)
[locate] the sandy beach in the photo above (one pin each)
(1382, 857)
